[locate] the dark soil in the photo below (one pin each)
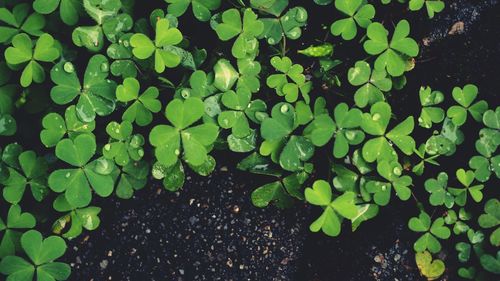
(211, 231)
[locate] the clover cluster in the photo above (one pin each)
(123, 100)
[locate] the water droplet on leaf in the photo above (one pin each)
(69, 67)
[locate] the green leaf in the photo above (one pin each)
(225, 75)
(231, 25)
(201, 8)
(432, 269)
(182, 114)
(358, 12)
(280, 124)
(320, 194)
(77, 152)
(394, 54)
(328, 222)
(271, 192)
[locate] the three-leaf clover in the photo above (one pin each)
(143, 106)
(97, 94)
(55, 127)
(193, 143)
(375, 123)
(80, 218)
(491, 219)
(15, 221)
(483, 167)
(334, 209)
(445, 142)
(76, 182)
(392, 172)
(109, 23)
(32, 172)
(246, 76)
(20, 20)
(438, 188)
(466, 178)
(283, 86)
(287, 25)
(123, 146)
(134, 176)
(429, 240)
(418, 169)
(42, 253)
(21, 53)
(246, 45)
(373, 83)
(162, 47)
(489, 137)
(68, 9)
(465, 97)
(121, 53)
(202, 9)
(392, 55)
(430, 113)
(235, 118)
(347, 133)
(358, 12)
(433, 6)
(289, 151)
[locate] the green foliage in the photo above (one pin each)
(32, 172)
(143, 106)
(392, 55)
(19, 20)
(430, 113)
(77, 180)
(433, 230)
(432, 6)
(42, 254)
(465, 97)
(166, 55)
(69, 10)
(96, 96)
(358, 12)
(334, 211)
(431, 269)
(15, 221)
(284, 87)
(311, 113)
(373, 83)
(23, 54)
(201, 8)
(192, 143)
(375, 123)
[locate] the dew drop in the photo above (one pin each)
(397, 171)
(177, 152)
(376, 117)
(104, 66)
(68, 174)
(69, 67)
(185, 93)
(350, 135)
(284, 108)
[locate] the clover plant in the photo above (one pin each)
(42, 254)
(136, 95)
(22, 53)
